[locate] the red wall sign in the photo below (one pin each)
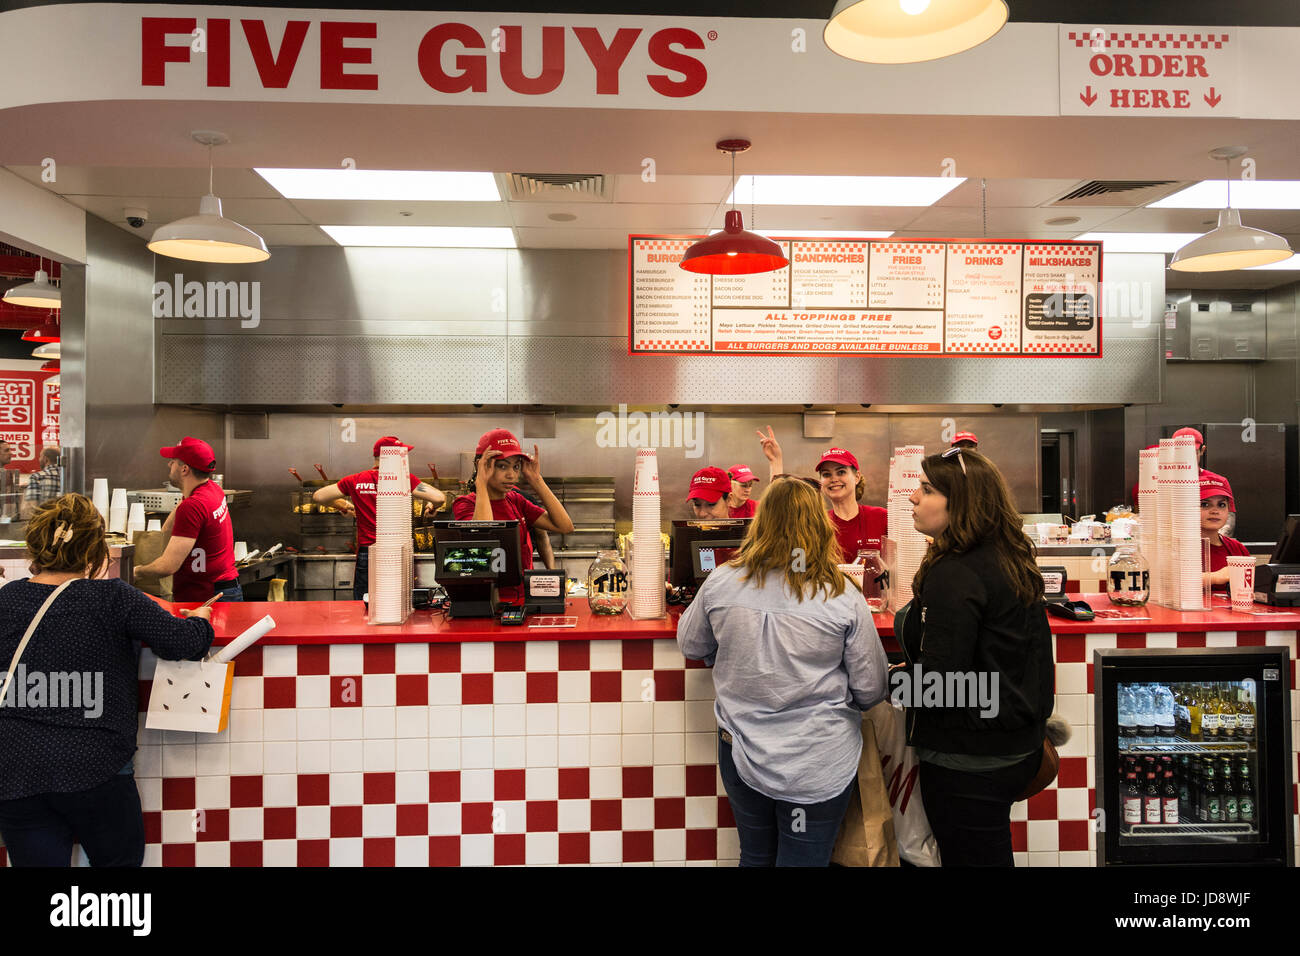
(29, 415)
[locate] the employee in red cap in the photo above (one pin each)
(739, 502)
(1216, 505)
(965, 440)
(708, 494)
(360, 488)
(499, 463)
(200, 556)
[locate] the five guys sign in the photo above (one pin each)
(451, 58)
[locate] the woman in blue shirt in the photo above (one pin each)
(796, 659)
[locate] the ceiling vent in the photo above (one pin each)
(1118, 192)
(558, 187)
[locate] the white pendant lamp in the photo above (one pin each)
(209, 236)
(37, 294)
(910, 31)
(50, 350)
(1230, 245)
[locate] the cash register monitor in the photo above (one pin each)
(697, 548)
(474, 557)
(1287, 550)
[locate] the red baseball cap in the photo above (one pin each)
(741, 473)
(709, 484)
(193, 452)
(501, 441)
(965, 436)
(839, 456)
(390, 441)
(1212, 484)
(1197, 436)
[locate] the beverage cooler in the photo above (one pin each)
(1193, 756)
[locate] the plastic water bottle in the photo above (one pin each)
(1146, 714)
(1127, 716)
(1164, 712)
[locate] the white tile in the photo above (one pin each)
(1076, 746)
(670, 845)
(445, 752)
(477, 849)
(699, 684)
(669, 716)
(412, 754)
(346, 658)
(212, 793)
(280, 724)
(476, 720)
(607, 846)
(1020, 810)
(312, 690)
(279, 660)
(246, 823)
(245, 725)
(700, 716)
(212, 759)
(509, 816)
(1162, 640)
(1072, 804)
(313, 723)
(542, 656)
(412, 787)
(444, 689)
(212, 854)
(1072, 678)
(346, 723)
(1078, 858)
(607, 656)
(542, 783)
(280, 853)
(542, 719)
(669, 749)
(379, 721)
(606, 718)
(444, 721)
(667, 655)
(412, 721)
(638, 686)
(1075, 709)
(179, 737)
(509, 687)
(178, 826)
(246, 693)
(574, 750)
(346, 756)
(669, 781)
(280, 756)
(379, 690)
(477, 786)
(150, 793)
(380, 756)
(574, 687)
(1043, 859)
(606, 750)
(573, 718)
(606, 783)
(279, 790)
(728, 844)
(1042, 835)
(411, 850)
(313, 823)
(505, 753)
(1020, 859)
(638, 718)
(477, 657)
(1094, 642)
(638, 750)
(444, 819)
(411, 658)
(178, 760)
(1221, 639)
(509, 720)
(347, 851)
(379, 820)
(701, 812)
(347, 789)
(574, 816)
(543, 751)
(313, 756)
(541, 849)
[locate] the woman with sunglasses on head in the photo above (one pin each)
(977, 610)
(739, 502)
(857, 527)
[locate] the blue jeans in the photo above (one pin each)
(777, 833)
(106, 820)
(230, 591)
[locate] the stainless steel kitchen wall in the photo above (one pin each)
(512, 327)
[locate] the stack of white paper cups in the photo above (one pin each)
(1185, 522)
(118, 512)
(910, 543)
(100, 497)
(1149, 513)
(392, 554)
(135, 521)
(647, 558)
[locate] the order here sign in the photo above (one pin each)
(1148, 71)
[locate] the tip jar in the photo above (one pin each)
(1128, 577)
(607, 591)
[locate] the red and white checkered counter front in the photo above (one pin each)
(467, 743)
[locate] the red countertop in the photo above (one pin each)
(343, 622)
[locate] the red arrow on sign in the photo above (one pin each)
(1091, 97)
(1213, 99)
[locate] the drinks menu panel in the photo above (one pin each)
(872, 297)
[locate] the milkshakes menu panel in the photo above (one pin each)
(872, 297)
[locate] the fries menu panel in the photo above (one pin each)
(872, 297)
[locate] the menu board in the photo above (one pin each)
(872, 297)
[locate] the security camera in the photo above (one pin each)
(135, 218)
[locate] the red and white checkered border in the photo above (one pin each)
(916, 248)
(1070, 347)
(1156, 41)
(986, 250)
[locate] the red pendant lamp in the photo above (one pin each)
(734, 251)
(48, 331)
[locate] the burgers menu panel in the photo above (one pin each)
(926, 297)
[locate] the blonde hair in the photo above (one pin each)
(792, 534)
(66, 535)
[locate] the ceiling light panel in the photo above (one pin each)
(843, 190)
(456, 237)
(1139, 241)
(409, 185)
(1246, 194)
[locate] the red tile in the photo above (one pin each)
(444, 786)
(1131, 640)
(1071, 586)
(701, 780)
(508, 848)
(638, 781)
(313, 852)
(543, 688)
(606, 687)
(313, 789)
(445, 659)
(378, 658)
(508, 785)
(143, 688)
(1042, 805)
(702, 844)
(1090, 690)
(1073, 773)
(1070, 649)
(246, 791)
(509, 656)
(575, 783)
(1251, 638)
(412, 819)
(1092, 800)
(575, 656)
(379, 788)
(670, 813)
(542, 816)
(725, 817)
(1191, 639)
(178, 793)
(153, 826)
(670, 685)
(639, 845)
(279, 823)
(476, 818)
(475, 689)
(213, 826)
(178, 854)
(606, 814)
(345, 821)
(345, 690)
(695, 665)
(246, 853)
(1073, 834)
(412, 690)
(249, 663)
(279, 693)
(1019, 836)
(575, 847)
(4, 857)
(444, 851)
(379, 851)
(638, 655)
(313, 660)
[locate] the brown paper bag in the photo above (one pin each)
(149, 546)
(866, 836)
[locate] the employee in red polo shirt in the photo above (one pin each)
(360, 488)
(200, 556)
(739, 502)
(1216, 505)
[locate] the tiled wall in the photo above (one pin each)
(535, 753)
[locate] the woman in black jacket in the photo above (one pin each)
(979, 677)
(68, 722)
